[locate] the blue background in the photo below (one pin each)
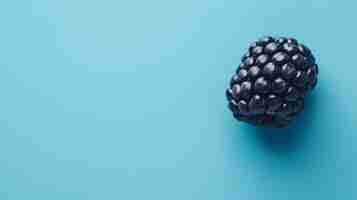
(125, 100)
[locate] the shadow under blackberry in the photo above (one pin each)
(288, 139)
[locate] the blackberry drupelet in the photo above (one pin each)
(270, 84)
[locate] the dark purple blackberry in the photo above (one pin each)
(270, 84)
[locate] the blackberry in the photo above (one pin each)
(270, 84)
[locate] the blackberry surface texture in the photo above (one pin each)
(272, 81)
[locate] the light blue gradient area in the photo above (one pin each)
(125, 100)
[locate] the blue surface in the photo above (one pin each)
(125, 100)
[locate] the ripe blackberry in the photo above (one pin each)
(270, 84)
